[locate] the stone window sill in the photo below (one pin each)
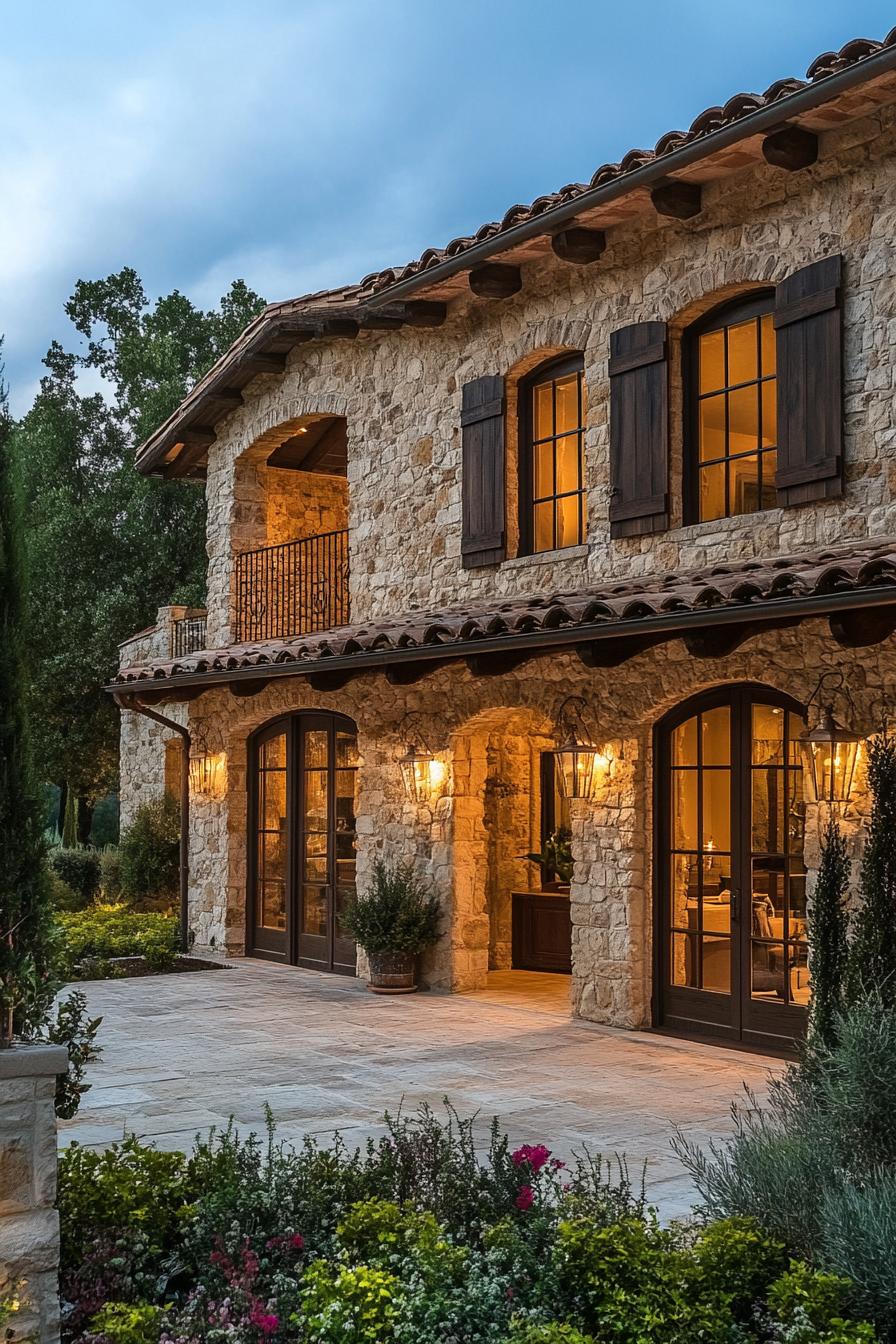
(547, 557)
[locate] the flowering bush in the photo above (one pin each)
(417, 1239)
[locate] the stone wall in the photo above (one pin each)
(142, 742)
(400, 391)
(29, 1223)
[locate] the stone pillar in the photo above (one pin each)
(29, 1223)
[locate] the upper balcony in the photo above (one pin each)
(294, 588)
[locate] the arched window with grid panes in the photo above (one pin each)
(730, 421)
(552, 459)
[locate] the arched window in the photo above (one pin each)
(731, 425)
(552, 474)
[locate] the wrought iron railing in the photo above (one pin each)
(292, 589)
(188, 635)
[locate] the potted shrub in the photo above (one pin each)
(393, 921)
(555, 861)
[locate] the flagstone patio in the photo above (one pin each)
(184, 1052)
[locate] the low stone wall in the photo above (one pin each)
(29, 1223)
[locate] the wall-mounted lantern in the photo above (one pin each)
(579, 762)
(830, 750)
(207, 768)
(423, 773)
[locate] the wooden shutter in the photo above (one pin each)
(482, 485)
(639, 430)
(808, 324)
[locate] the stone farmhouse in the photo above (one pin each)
(577, 533)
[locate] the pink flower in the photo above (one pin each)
(556, 1164)
(265, 1321)
(525, 1198)
(534, 1154)
(297, 1241)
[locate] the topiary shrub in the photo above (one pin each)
(62, 896)
(80, 870)
(149, 853)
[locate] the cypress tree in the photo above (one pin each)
(872, 956)
(827, 937)
(26, 923)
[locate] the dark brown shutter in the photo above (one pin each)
(482, 422)
(639, 430)
(808, 325)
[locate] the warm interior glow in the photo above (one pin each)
(424, 776)
(208, 774)
(581, 768)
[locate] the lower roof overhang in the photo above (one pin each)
(857, 618)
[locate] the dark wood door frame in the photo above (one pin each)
(736, 1017)
(290, 945)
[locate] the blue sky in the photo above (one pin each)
(302, 143)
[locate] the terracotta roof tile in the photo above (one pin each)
(858, 569)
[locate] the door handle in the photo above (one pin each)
(735, 906)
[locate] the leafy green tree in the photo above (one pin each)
(26, 924)
(107, 546)
(872, 953)
(828, 935)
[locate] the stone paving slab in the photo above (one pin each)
(184, 1052)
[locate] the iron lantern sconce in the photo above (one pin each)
(830, 750)
(578, 760)
(422, 772)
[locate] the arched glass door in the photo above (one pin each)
(731, 881)
(302, 809)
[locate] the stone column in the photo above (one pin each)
(29, 1223)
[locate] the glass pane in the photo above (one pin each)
(684, 743)
(316, 812)
(346, 785)
(544, 469)
(768, 343)
(768, 735)
(272, 789)
(568, 457)
(316, 870)
(272, 857)
(315, 843)
(796, 726)
(743, 420)
(743, 485)
(717, 809)
(273, 905)
(543, 410)
(684, 959)
(568, 533)
(712, 492)
(717, 894)
(314, 911)
(768, 810)
(717, 965)
(712, 428)
(742, 352)
(684, 809)
(685, 889)
(798, 959)
(767, 919)
(796, 812)
(767, 970)
(316, 748)
(768, 496)
(769, 413)
(712, 361)
(544, 527)
(567, 404)
(273, 753)
(346, 750)
(716, 733)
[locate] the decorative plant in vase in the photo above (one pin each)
(393, 920)
(555, 859)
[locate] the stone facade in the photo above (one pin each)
(29, 1223)
(399, 393)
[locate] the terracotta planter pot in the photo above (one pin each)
(392, 972)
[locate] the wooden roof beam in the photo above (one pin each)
(792, 147)
(579, 246)
(677, 199)
(495, 281)
(260, 362)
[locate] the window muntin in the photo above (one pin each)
(553, 474)
(734, 452)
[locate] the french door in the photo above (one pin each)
(303, 773)
(732, 958)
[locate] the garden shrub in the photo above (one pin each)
(92, 937)
(80, 870)
(344, 1304)
(149, 851)
(62, 896)
(76, 1030)
(110, 875)
(127, 1323)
